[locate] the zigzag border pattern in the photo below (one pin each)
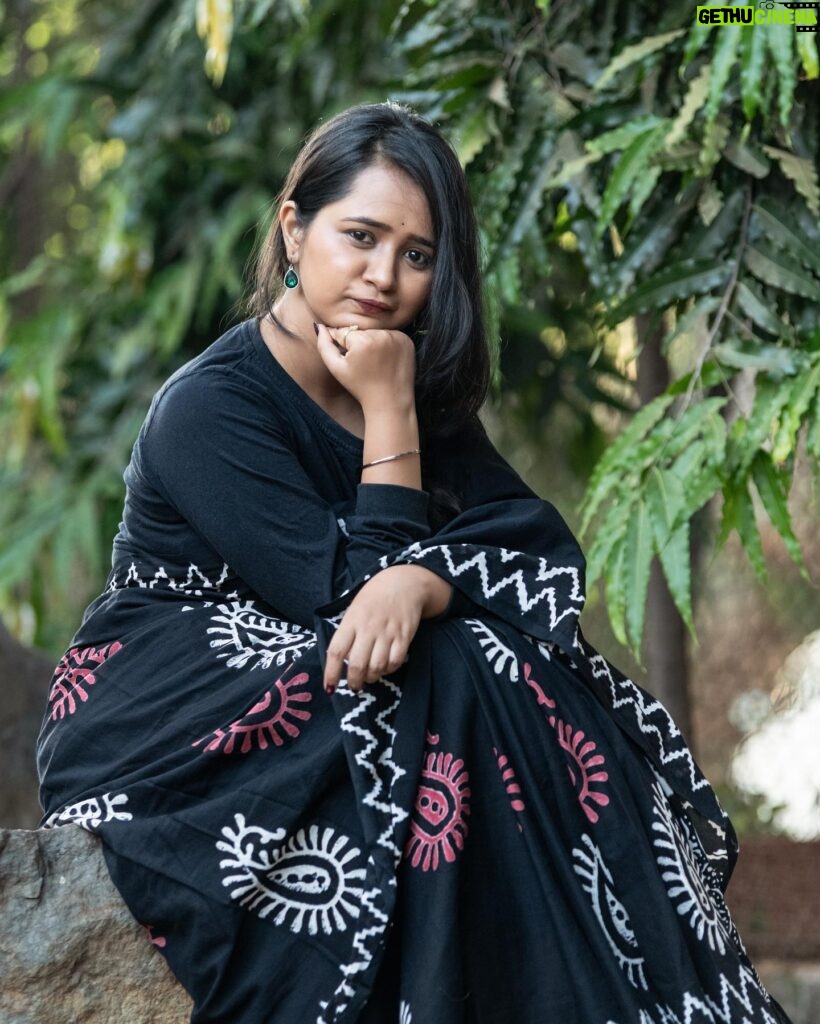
(370, 722)
(652, 718)
(521, 579)
(707, 1009)
(194, 583)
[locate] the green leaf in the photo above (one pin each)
(739, 515)
(780, 42)
(775, 268)
(698, 35)
(638, 549)
(610, 533)
(676, 560)
(785, 235)
(620, 451)
(805, 390)
(725, 58)
(695, 98)
(699, 310)
(802, 172)
(644, 187)
(758, 312)
(621, 137)
(772, 486)
(701, 417)
(646, 246)
(664, 496)
(474, 132)
(632, 163)
(710, 202)
(636, 52)
(711, 374)
(807, 51)
(711, 240)
(679, 281)
(748, 434)
(745, 156)
(714, 140)
(752, 57)
(774, 360)
(616, 593)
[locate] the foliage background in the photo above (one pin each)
(649, 204)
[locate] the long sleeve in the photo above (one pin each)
(508, 552)
(216, 451)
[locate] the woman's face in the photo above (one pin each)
(375, 244)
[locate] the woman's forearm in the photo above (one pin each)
(388, 432)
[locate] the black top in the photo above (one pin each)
(270, 488)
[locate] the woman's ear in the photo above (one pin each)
(292, 231)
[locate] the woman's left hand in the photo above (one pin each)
(378, 626)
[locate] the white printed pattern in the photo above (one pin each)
(369, 723)
(249, 636)
(611, 913)
(310, 882)
(501, 658)
(91, 812)
(193, 584)
(651, 717)
(405, 1016)
(495, 570)
(692, 894)
(739, 1002)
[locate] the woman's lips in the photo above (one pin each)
(371, 307)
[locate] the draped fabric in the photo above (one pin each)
(505, 829)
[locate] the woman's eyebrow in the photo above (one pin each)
(386, 227)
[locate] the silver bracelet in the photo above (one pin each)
(389, 458)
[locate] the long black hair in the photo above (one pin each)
(449, 333)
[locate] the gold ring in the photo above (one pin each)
(353, 327)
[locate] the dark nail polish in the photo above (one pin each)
(316, 327)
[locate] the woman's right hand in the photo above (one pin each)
(377, 367)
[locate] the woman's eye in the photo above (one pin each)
(424, 261)
(417, 257)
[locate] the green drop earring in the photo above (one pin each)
(291, 277)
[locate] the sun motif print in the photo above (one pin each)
(74, 674)
(438, 826)
(310, 882)
(277, 717)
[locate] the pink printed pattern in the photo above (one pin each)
(438, 826)
(542, 698)
(582, 775)
(511, 783)
(586, 766)
(74, 673)
(155, 940)
(270, 720)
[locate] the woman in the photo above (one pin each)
(333, 718)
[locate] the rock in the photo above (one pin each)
(70, 950)
(24, 678)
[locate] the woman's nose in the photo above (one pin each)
(381, 270)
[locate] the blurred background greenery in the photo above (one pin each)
(648, 200)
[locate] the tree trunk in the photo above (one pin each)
(667, 654)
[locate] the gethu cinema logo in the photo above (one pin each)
(802, 15)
